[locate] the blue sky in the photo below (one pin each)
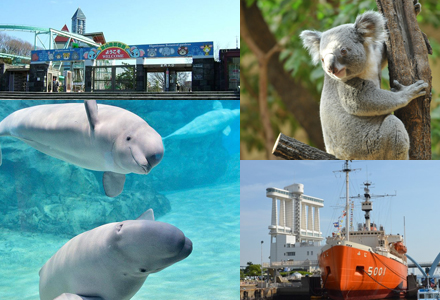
(416, 184)
(133, 22)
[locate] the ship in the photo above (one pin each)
(363, 264)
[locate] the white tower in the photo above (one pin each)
(295, 223)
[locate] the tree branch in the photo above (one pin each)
(290, 148)
(408, 62)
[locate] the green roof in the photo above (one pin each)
(79, 14)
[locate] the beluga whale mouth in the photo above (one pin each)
(146, 167)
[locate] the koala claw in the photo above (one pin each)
(397, 86)
(417, 89)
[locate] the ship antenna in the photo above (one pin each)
(346, 169)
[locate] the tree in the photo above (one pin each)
(11, 45)
(183, 78)
(156, 82)
(294, 83)
(252, 270)
(125, 79)
(408, 62)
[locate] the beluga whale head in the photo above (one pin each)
(138, 149)
(148, 246)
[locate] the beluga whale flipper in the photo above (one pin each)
(111, 262)
(93, 136)
(211, 122)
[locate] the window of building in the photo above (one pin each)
(290, 254)
(307, 252)
(311, 253)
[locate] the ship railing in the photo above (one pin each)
(296, 263)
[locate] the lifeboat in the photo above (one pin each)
(399, 247)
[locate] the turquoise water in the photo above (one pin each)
(45, 202)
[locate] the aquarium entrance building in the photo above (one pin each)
(102, 74)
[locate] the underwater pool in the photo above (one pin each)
(45, 202)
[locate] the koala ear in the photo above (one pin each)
(371, 27)
(311, 40)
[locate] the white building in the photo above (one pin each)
(295, 226)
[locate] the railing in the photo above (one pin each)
(296, 263)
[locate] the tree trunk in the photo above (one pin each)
(289, 148)
(408, 62)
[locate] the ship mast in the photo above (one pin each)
(367, 206)
(347, 171)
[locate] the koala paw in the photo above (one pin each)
(411, 91)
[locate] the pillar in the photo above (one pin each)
(2, 77)
(167, 80)
(274, 212)
(303, 216)
(317, 229)
(140, 75)
(289, 213)
(310, 217)
(38, 77)
(297, 217)
(282, 212)
(173, 81)
(88, 75)
(203, 74)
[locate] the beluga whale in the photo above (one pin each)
(112, 262)
(93, 136)
(211, 122)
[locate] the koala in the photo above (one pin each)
(355, 112)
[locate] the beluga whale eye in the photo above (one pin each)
(142, 270)
(128, 138)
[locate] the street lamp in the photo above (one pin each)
(262, 259)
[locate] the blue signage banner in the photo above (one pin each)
(118, 50)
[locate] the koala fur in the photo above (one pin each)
(355, 112)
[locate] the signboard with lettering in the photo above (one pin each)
(118, 50)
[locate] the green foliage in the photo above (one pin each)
(125, 79)
(291, 272)
(430, 13)
(252, 270)
(242, 276)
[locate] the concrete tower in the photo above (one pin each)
(295, 225)
(79, 22)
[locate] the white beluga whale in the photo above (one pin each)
(112, 262)
(211, 122)
(92, 136)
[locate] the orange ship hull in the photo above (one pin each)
(352, 273)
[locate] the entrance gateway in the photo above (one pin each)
(101, 75)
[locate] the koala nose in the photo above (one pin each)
(333, 70)
(330, 64)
